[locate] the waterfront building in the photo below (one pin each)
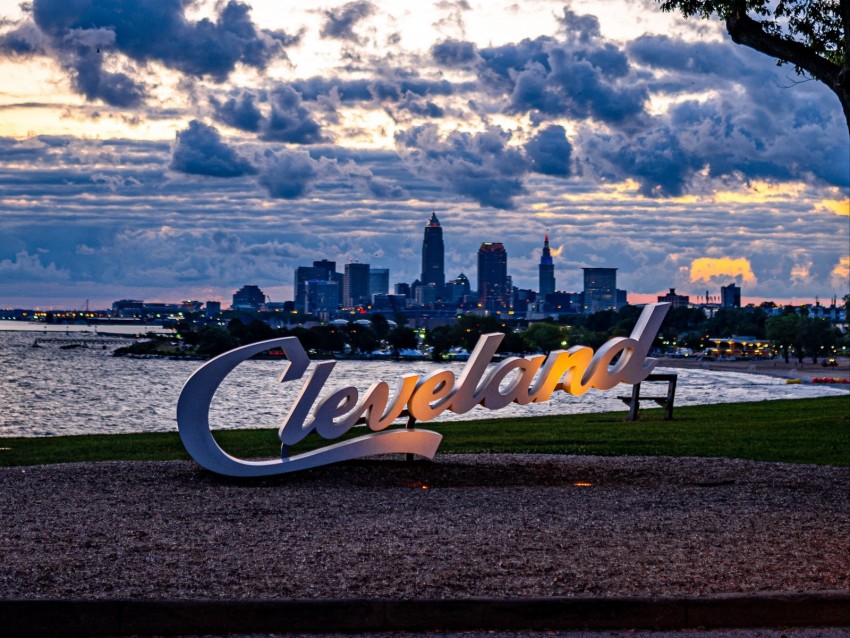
(248, 297)
(600, 290)
(128, 308)
(730, 296)
(494, 289)
(356, 285)
(546, 269)
(678, 301)
(433, 256)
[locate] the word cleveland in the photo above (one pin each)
(521, 380)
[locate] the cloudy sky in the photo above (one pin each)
(177, 150)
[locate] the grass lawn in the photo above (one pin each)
(792, 431)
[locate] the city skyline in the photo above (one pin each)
(161, 163)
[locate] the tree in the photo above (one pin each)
(544, 337)
(440, 339)
(380, 325)
(402, 338)
(469, 328)
(818, 334)
(813, 35)
(361, 338)
(214, 340)
(783, 332)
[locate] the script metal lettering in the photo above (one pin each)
(516, 380)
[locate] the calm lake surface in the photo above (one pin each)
(49, 391)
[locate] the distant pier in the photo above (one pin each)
(68, 343)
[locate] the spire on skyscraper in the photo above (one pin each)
(546, 257)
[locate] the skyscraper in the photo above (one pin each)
(322, 270)
(546, 270)
(494, 292)
(379, 281)
(730, 296)
(433, 256)
(600, 289)
(356, 284)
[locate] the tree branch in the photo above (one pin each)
(744, 30)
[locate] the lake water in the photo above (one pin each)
(50, 391)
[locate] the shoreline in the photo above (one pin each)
(773, 367)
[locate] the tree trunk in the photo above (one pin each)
(744, 30)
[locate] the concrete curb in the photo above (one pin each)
(23, 618)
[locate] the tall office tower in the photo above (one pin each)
(494, 293)
(600, 289)
(303, 274)
(433, 256)
(730, 296)
(322, 270)
(322, 296)
(379, 282)
(328, 266)
(547, 270)
(355, 285)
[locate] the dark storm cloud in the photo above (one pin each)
(159, 31)
(289, 120)
(579, 84)
(455, 53)
(200, 151)
(503, 61)
(239, 111)
(480, 165)
(549, 151)
(84, 33)
(26, 40)
(377, 89)
(580, 76)
(580, 28)
(700, 58)
(278, 115)
(654, 158)
(90, 79)
(417, 106)
(339, 22)
(288, 174)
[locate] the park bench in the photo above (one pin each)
(666, 402)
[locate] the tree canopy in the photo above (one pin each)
(813, 35)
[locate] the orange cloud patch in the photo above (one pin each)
(841, 273)
(706, 268)
(837, 206)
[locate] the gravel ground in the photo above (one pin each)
(463, 526)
